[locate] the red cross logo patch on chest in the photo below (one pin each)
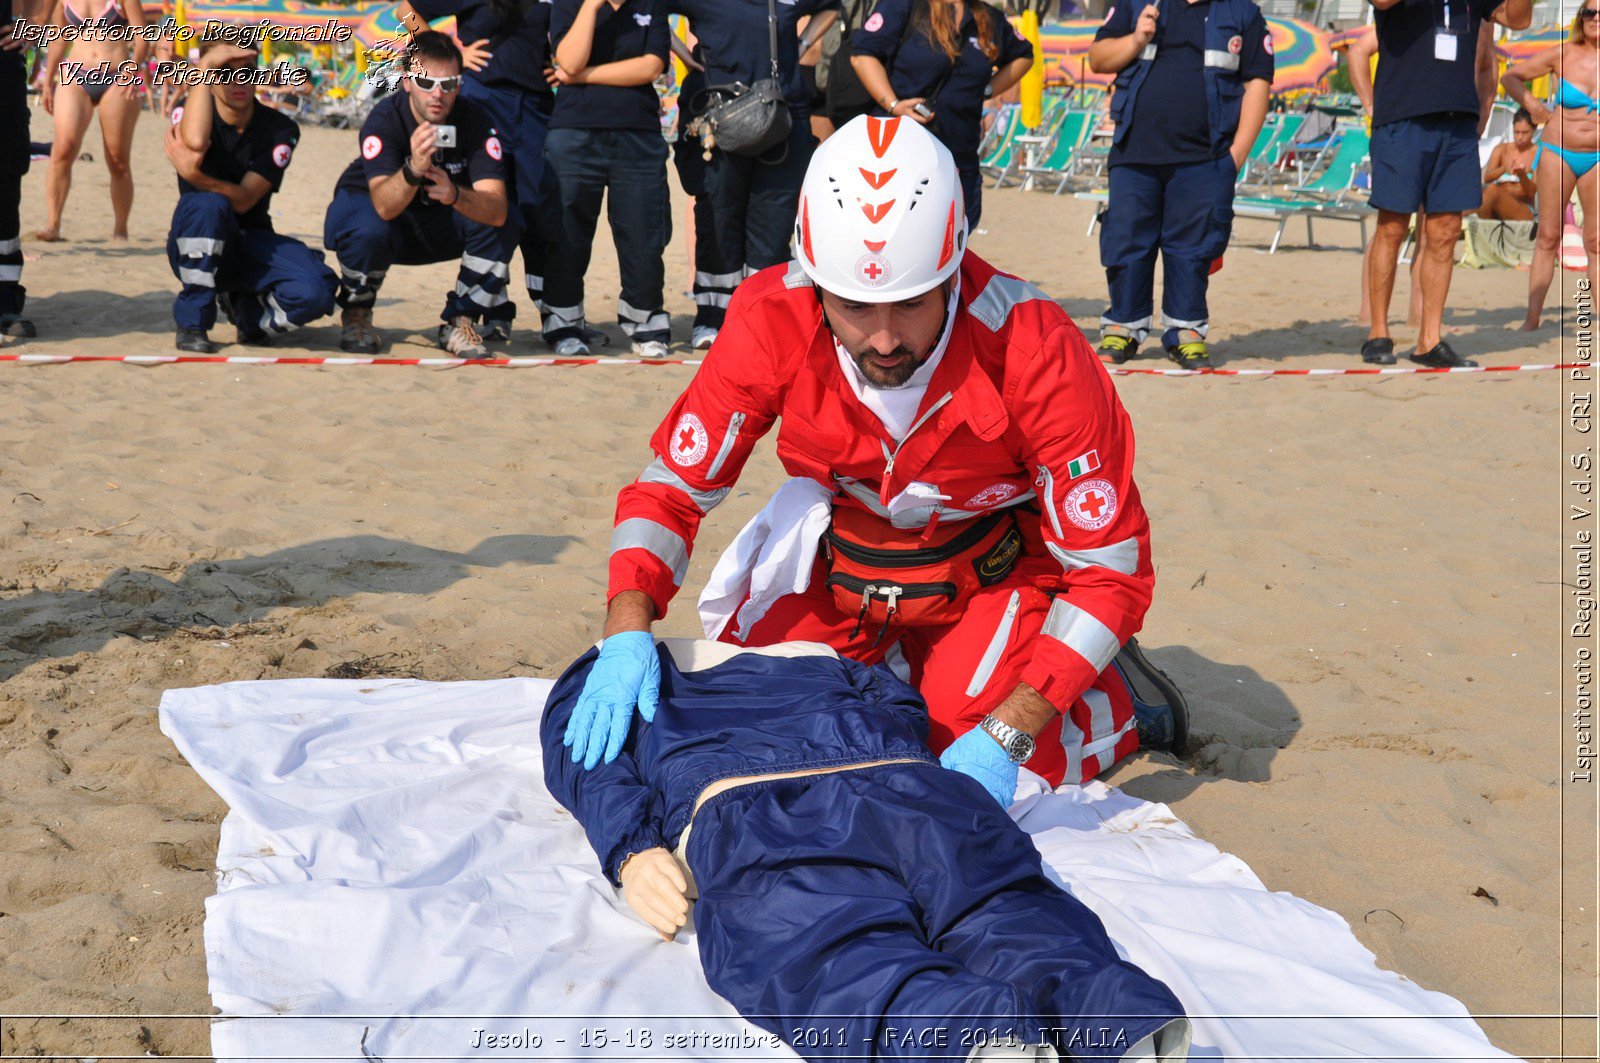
(1091, 504)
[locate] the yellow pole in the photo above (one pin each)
(266, 49)
(180, 19)
(679, 69)
(1033, 81)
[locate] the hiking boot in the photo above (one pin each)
(1190, 351)
(461, 339)
(358, 337)
(1117, 348)
(17, 325)
(1160, 713)
(1442, 357)
(195, 341)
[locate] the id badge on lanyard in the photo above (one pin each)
(1446, 43)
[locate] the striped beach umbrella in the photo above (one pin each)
(1525, 45)
(1301, 53)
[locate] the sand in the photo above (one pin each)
(1358, 586)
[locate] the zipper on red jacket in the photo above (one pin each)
(891, 455)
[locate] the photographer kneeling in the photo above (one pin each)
(430, 186)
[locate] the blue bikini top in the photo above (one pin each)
(1569, 95)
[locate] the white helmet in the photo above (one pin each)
(881, 215)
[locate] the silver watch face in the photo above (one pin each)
(1020, 748)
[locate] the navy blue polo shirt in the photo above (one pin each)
(263, 147)
(1170, 122)
(386, 144)
(638, 27)
(917, 65)
(732, 42)
(1411, 81)
(518, 60)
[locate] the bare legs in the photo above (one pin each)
(1383, 255)
(72, 114)
(1414, 312)
(1438, 254)
(1556, 182)
(118, 114)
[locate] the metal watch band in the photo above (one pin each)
(1018, 744)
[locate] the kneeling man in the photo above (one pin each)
(231, 154)
(430, 186)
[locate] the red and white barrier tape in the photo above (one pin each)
(525, 363)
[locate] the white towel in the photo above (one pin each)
(770, 557)
(396, 883)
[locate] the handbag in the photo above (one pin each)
(745, 119)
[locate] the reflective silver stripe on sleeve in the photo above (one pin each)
(1121, 557)
(658, 473)
(666, 545)
(1072, 742)
(1221, 60)
(993, 304)
(1082, 632)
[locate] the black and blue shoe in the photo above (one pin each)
(1160, 712)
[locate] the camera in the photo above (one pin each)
(922, 109)
(444, 136)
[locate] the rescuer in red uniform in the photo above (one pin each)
(986, 536)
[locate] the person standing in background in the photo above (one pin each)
(14, 158)
(1428, 108)
(605, 143)
(936, 62)
(1193, 78)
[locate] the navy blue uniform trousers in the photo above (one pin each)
(899, 912)
(522, 120)
(743, 215)
(277, 282)
(628, 169)
(14, 152)
(1184, 211)
(367, 246)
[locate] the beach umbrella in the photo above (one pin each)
(1527, 45)
(1301, 53)
(1032, 87)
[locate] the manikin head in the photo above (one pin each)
(880, 231)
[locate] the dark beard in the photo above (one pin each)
(878, 377)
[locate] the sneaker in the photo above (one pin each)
(704, 337)
(195, 341)
(496, 332)
(1442, 357)
(461, 339)
(17, 325)
(1116, 348)
(650, 349)
(1190, 353)
(358, 337)
(571, 347)
(1160, 713)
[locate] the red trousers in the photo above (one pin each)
(966, 669)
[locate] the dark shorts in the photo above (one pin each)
(1427, 163)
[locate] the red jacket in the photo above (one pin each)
(1019, 407)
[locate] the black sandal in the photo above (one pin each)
(1378, 352)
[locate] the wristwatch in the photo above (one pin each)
(1017, 744)
(414, 179)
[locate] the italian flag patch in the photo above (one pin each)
(1084, 464)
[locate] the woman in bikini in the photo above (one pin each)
(1508, 187)
(86, 84)
(1569, 150)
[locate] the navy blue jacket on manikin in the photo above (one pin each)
(895, 904)
(1235, 36)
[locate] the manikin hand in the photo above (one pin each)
(654, 887)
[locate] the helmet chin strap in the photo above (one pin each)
(945, 326)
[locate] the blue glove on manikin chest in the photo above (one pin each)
(626, 676)
(980, 757)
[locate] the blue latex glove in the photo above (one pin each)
(980, 757)
(628, 674)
